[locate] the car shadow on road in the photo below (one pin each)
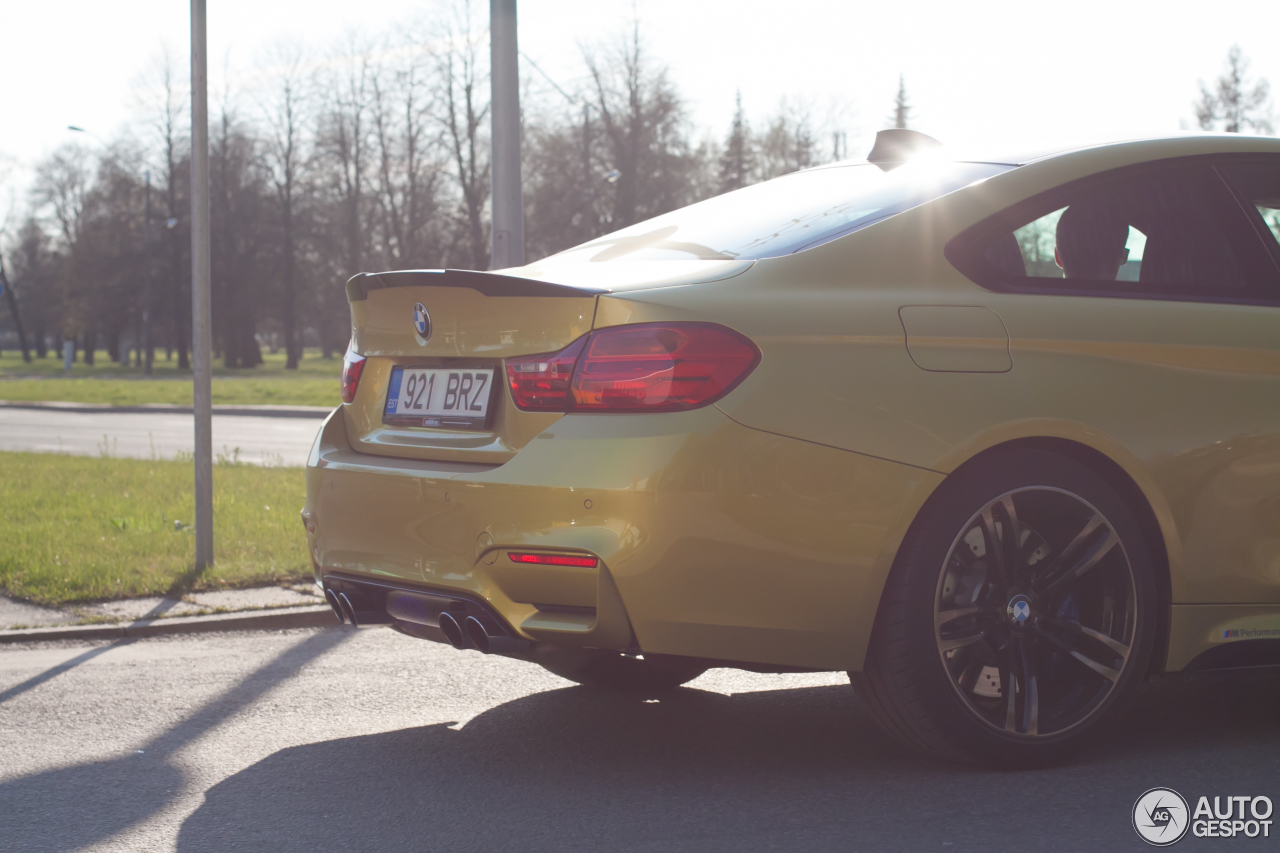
(573, 769)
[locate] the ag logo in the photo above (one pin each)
(1160, 816)
(421, 321)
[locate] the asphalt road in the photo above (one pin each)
(260, 440)
(340, 740)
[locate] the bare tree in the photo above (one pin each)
(168, 112)
(33, 267)
(645, 137)
(285, 118)
(787, 144)
(407, 174)
(623, 153)
(112, 254)
(343, 140)
(1235, 101)
(242, 234)
(62, 187)
(464, 111)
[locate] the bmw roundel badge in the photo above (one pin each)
(421, 321)
(1019, 609)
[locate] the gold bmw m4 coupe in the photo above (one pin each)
(998, 436)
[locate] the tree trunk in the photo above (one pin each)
(17, 318)
(181, 313)
(292, 355)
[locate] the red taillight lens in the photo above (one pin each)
(352, 367)
(647, 367)
(660, 367)
(540, 383)
(555, 560)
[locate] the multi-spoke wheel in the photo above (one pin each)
(1019, 614)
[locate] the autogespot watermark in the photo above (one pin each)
(1161, 817)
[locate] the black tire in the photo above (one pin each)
(916, 681)
(615, 671)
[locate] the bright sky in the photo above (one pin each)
(1011, 75)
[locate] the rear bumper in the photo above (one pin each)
(714, 540)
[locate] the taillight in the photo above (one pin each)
(648, 367)
(540, 383)
(660, 368)
(352, 367)
(555, 560)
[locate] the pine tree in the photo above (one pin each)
(737, 163)
(901, 107)
(1234, 102)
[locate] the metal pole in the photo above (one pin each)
(504, 79)
(201, 331)
(148, 351)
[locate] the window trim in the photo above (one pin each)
(1270, 242)
(1259, 263)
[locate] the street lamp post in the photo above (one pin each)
(504, 77)
(146, 354)
(201, 327)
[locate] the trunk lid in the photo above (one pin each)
(476, 321)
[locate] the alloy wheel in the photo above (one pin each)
(1035, 614)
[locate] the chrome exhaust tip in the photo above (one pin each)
(347, 609)
(477, 633)
(335, 605)
(488, 637)
(452, 631)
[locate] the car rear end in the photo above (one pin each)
(453, 483)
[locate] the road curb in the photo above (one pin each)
(314, 616)
(171, 409)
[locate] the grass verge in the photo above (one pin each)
(78, 528)
(135, 392)
(314, 383)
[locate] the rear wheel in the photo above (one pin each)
(616, 671)
(1018, 618)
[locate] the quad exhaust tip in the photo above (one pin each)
(485, 635)
(477, 633)
(332, 598)
(347, 609)
(482, 634)
(453, 631)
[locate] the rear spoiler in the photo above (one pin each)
(488, 283)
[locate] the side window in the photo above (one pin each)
(1259, 183)
(1168, 231)
(1038, 241)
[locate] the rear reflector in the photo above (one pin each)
(555, 560)
(646, 367)
(352, 367)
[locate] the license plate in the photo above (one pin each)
(447, 398)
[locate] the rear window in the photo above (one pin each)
(782, 216)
